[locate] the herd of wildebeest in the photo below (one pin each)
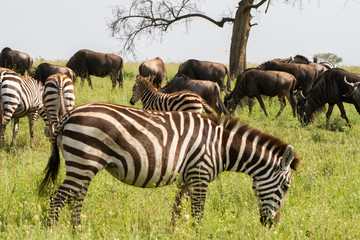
(314, 84)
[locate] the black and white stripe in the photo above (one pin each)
(20, 96)
(58, 98)
(152, 99)
(149, 149)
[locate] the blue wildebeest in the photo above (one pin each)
(45, 70)
(85, 63)
(154, 70)
(255, 82)
(335, 86)
(208, 90)
(15, 60)
(205, 70)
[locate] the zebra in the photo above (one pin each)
(152, 99)
(20, 96)
(149, 149)
(58, 98)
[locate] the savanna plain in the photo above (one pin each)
(323, 201)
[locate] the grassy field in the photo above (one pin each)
(323, 201)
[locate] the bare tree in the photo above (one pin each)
(154, 18)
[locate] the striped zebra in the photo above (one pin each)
(150, 149)
(152, 99)
(20, 96)
(58, 99)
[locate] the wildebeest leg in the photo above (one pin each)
(343, 113)
(329, 112)
(251, 104)
(82, 81)
(89, 80)
(258, 97)
(120, 79)
(292, 102)
(183, 192)
(15, 131)
(113, 80)
(282, 105)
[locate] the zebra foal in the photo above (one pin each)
(20, 96)
(150, 149)
(152, 99)
(58, 98)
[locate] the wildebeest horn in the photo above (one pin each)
(302, 95)
(348, 83)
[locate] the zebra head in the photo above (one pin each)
(136, 90)
(270, 191)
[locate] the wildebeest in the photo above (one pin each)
(208, 90)
(15, 60)
(44, 70)
(305, 75)
(335, 86)
(205, 70)
(85, 63)
(254, 83)
(154, 70)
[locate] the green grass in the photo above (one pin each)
(323, 201)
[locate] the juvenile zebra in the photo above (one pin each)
(152, 99)
(58, 98)
(150, 149)
(20, 96)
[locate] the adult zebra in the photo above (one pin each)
(152, 99)
(20, 96)
(150, 149)
(58, 98)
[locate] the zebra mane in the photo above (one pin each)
(233, 124)
(301, 59)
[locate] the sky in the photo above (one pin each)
(55, 30)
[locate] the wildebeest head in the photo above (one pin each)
(229, 102)
(302, 109)
(354, 91)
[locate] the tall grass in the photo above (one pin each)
(323, 201)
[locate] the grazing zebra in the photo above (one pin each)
(20, 96)
(152, 99)
(150, 149)
(58, 99)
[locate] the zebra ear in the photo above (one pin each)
(287, 157)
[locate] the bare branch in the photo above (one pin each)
(148, 17)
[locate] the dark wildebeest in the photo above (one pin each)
(205, 70)
(254, 83)
(15, 60)
(154, 70)
(85, 63)
(335, 86)
(44, 70)
(305, 75)
(208, 90)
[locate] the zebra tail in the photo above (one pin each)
(62, 104)
(52, 168)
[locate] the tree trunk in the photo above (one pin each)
(239, 39)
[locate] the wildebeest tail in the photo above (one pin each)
(222, 106)
(292, 97)
(29, 66)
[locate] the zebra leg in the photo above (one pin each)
(183, 191)
(32, 119)
(15, 131)
(77, 204)
(197, 196)
(57, 202)
(2, 133)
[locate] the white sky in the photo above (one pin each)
(57, 29)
